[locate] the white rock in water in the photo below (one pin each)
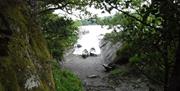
(32, 82)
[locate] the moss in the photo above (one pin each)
(8, 78)
(1, 87)
(27, 52)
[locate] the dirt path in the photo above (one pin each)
(94, 77)
(90, 71)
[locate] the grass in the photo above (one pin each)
(65, 80)
(118, 72)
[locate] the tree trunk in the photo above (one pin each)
(174, 84)
(166, 64)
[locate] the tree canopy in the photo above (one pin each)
(150, 37)
(149, 31)
(150, 28)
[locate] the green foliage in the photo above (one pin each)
(89, 21)
(77, 23)
(60, 32)
(135, 59)
(104, 20)
(147, 45)
(125, 52)
(119, 72)
(65, 5)
(114, 37)
(65, 80)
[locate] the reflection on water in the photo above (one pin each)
(89, 38)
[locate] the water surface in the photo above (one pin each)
(90, 37)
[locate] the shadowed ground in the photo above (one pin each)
(91, 72)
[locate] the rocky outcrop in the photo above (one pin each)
(24, 58)
(108, 51)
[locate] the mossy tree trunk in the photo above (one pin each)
(24, 58)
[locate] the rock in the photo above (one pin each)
(84, 56)
(117, 89)
(93, 76)
(109, 51)
(135, 86)
(79, 46)
(85, 53)
(107, 67)
(85, 83)
(139, 80)
(93, 52)
(24, 57)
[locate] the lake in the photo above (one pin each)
(90, 37)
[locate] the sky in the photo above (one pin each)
(76, 13)
(98, 12)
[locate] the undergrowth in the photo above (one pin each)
(65, 80)
(119, 72)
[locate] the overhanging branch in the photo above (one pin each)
(133, 17)
(64, 6)
(55, 8)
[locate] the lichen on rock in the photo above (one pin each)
(32, 82)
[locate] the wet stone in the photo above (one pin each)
(93, 76)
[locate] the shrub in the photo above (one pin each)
(124, 53)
